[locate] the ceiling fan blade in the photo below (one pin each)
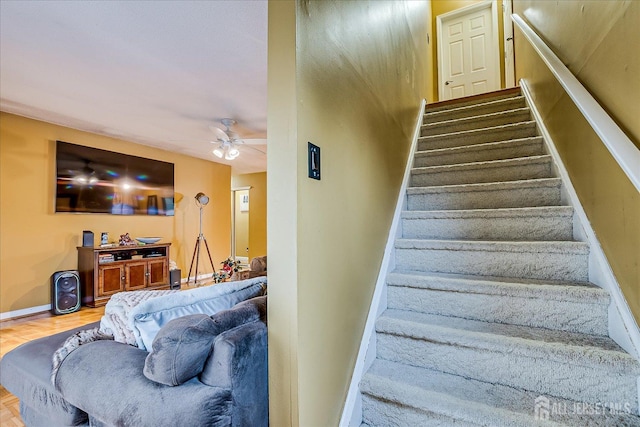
(256, 141)
(219, 133)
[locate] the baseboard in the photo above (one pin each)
(623, 328)
(352, 411)
(25, 312)
(194, 279)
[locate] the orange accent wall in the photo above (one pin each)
(35, 241)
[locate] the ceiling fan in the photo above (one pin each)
(228, 140)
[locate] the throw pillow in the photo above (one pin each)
(181, 348)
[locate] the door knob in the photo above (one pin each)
(447, 82)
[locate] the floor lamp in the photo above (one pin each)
(201, 201)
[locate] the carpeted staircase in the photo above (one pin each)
(490, 318)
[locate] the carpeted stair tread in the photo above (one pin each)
(475, 224)
(509, 194)
(583, 292)
(430, 108)
(526, 224)
(567, 307)
(501, 150)
(522, 168)
(566, 347)
(476, 122)
(487, 107)
(458, 167)
(484, 186)
(556, 247)
(464, 399)
(478, 136)
(564, 211)
(562, 247)
(527, 259)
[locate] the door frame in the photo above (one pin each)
(233, 217)
(509, 45)
(493, 4)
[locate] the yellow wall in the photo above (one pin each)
(599, 42)
(438, 7)
(257, 210)
(35, 242)
(353, 87)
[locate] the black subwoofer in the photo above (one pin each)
(65, 292)
(174, 279)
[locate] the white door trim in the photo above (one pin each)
(509, 43)
(493, 4)
(233, 217)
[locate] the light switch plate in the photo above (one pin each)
(314, 161)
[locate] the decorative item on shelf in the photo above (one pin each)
(220, 276)
(230, 265)
(104, 238)
(148, 240)
(125, 240)
(87, 238)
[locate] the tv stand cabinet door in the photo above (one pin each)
(110, 280)
(158, 273)
(136, 275)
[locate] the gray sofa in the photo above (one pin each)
(107, 383)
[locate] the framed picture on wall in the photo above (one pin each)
(244, 202)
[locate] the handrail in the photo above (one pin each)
(619, 145)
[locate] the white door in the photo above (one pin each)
(468, 52)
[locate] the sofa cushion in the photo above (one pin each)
(182, 346)
(26, 372)
(148, 317)
(104, 378)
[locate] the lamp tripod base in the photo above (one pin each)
(196, 258)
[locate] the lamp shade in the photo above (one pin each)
(202, 199)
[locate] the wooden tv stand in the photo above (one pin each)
(105, 271)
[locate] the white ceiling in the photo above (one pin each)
(153, 72)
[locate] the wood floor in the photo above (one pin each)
(18, 331)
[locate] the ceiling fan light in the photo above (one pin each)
(218, 153)
(234, 152)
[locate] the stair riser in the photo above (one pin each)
(500, 153)
(480, 175)
(509, 228)
(475, 123)
(535, 312)
(383, 413)
(530, 265)
(479, 137)
(505, 198)
(511, 104)
(542, 375)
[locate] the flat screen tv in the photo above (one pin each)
(90, 180)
